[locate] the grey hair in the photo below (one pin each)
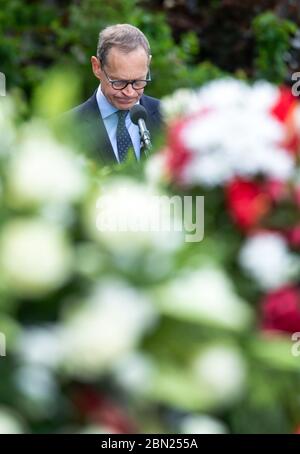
(123, 36)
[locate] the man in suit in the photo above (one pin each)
(122, 67)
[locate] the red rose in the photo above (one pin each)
(284, 104)
(177, 155)
(247, 203)
(281, 310)
(276, 189)
(293, 236)
(97, 408)
(297, 195)
(284, 111)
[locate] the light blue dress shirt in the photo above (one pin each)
(110, 119)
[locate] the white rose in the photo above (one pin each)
(104, 329)
(202, 424)
(266, 258)
(130, 217)
(205, 295)
(134, 373)
(9, 422)
(236, 136)
(180, 103)
(7, 129)
(245, 143)
(44, 171)
(35, 257)
(155, 169)
(39, 387)
(39, 346)
(222, 371)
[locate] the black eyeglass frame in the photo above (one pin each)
(127, 82)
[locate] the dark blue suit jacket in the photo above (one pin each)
(96, 140)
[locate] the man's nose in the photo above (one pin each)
(129, 90)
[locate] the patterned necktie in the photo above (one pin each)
(123, 138)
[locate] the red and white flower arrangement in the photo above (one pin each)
(245, 141)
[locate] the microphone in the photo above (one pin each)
(138, 116)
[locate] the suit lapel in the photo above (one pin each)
(151, 122)
(98, 133)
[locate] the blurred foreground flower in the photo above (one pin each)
(266, 257)
(7, 130)
(44, 171)
(202, 424)
(106, 327)
(132, 218)
(35, 256)
(281, 310)
(205, 296)
(221, 370)
(233, 132)
(9, 422)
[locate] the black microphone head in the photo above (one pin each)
(138, 112)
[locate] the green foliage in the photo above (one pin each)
(27, 41)
(46, 34)
(273, 41)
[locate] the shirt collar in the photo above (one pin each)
(105, 107)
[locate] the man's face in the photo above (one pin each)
(121, 66)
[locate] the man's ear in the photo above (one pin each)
(96, 66)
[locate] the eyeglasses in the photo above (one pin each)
(137, 84)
